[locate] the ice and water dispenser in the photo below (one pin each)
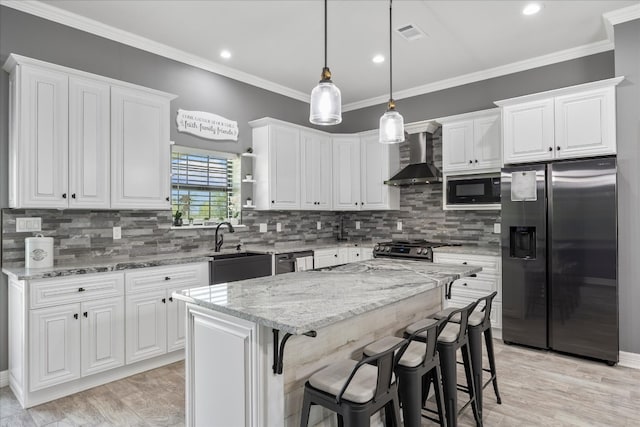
(522, 242)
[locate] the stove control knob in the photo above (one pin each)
(376, 248)
(419, 251)
(424, 251)
(387, 248)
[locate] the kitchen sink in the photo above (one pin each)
(225, 268)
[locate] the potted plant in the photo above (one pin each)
(177, 218)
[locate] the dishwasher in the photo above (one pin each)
(294, 261)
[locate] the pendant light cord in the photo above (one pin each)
(390, 55)
(325, 33)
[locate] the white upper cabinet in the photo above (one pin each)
(307, 169)
(82, 141)
(316, 174)
(89, 144)
(377, 163)
(573, 122)
(471, 142)
(346, 173)
(586, 123)
(277, 166)
(528, 131)
(38, 153)
(140, 150)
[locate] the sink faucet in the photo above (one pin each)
(219, 242)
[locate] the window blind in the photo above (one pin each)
(201, 185)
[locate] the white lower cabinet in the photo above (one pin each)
(466, 290)
(155, 320)
(75, 340)
(146, 325)
(102, 335)
(72, 333)
(54, 339)
(340, 255)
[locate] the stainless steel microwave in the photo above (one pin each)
(483, 190)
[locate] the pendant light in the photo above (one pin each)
(326, 101)
(391, 122)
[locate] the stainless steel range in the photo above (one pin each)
(413, 249)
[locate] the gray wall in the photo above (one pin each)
(627, 63)
(480, 95)
(200, 90)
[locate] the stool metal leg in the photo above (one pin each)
(488, 339)
(475, 345)
(466, 357)
(437, 385)
(306, 407)
(411, 396)
(450, 382)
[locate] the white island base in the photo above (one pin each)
(229, 362)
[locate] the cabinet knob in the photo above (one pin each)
(550, 148)
(75, 316)
(470, 161)
(64, 195)
(357, 254)
(336, 255)
(476, 160)
(167, 199)
(81, 289)
(167, 278)
(464, 263)
(73, 195)
(85, 314)
(558, 148)
(164, 300)
(170, 299)
(273, 201)
(361, 203)
(464, 284)
(356, 203)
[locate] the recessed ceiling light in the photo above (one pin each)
(378, 59)
(531, 9)
(225, 54)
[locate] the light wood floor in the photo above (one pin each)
(538, 389)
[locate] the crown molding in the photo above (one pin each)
(91, 26)
(619, 16)
(515, 67)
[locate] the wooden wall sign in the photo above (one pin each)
(207, 125)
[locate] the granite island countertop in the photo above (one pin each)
(301, 302)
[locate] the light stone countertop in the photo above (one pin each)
(493, 250)
(106, 264)
(284, 247)
(301, 302)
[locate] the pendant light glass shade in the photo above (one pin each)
(326, 101)
(391, 127)
(391, 122)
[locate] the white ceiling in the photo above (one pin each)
(279, 44)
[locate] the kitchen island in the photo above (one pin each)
(252, 344)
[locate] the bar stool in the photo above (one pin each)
(479, 322)
(454, 336)
(356, 390)
(417, 369)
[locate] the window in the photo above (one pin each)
(203, 184)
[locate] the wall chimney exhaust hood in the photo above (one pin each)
(421, 169)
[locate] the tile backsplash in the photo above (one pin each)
(85, 234)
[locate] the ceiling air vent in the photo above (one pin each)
(410, 32)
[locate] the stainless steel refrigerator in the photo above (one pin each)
(559, 257)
